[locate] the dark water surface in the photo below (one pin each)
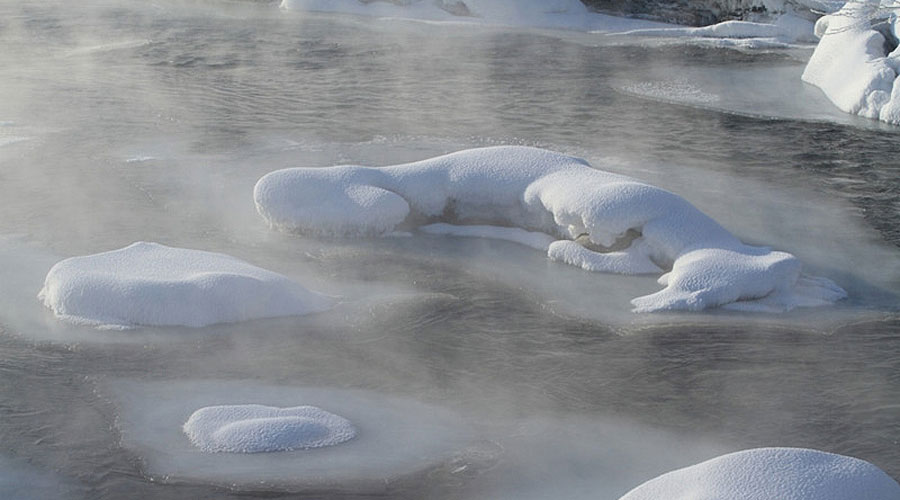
(125, 121)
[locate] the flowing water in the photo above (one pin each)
(128, 121)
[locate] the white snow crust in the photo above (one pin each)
(773, 473)
(557, 14)
(256, 428)
(851, 63)
(786, 29)
(621, 225)
(152, 284)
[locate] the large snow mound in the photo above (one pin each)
(856, 62)
(601, 221)
(559, 14)
(152, 284)
(257, 428)
(770, 473)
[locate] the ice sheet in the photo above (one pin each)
(396, 437)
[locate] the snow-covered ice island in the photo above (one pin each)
(351, 440)
(592, 219)
(155, 285)
(773, 473)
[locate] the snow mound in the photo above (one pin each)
(856, 62)
(770, 473)
(602, 221)
(152, 284)
(258, 428)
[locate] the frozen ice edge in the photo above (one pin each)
(621, 225)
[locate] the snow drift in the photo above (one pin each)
(258, 428)
(600, 221)
(152, 284)
(770, 473)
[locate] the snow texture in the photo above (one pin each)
(770, 473)
(602, 221)
(258, 428)
(856, 62)
(558, 14)
(152, 284)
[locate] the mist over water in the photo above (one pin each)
(153, 121)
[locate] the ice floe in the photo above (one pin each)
(601, 221)
(258, 428)
(152, 284)
(857, 61)
(395, 437)
(769, 473)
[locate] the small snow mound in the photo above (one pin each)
(152, 284)
(773, 473)
(259, 429)
(601, 222)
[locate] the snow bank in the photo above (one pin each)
(770, 473)
(151, 284)
(564, 14)
(855, 65)
(602, 221)
(786, 29)
(258, 428)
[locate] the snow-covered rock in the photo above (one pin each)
(257, 428)
(773, 473)
(152, 284)
(602, 222)
(856, 62)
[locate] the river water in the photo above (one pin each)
(128, 121)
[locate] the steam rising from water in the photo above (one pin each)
(537, 354)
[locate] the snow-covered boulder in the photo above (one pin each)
(152, 284)
(772, 473)
(257, 428)
(601, 222)
(856, 62)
